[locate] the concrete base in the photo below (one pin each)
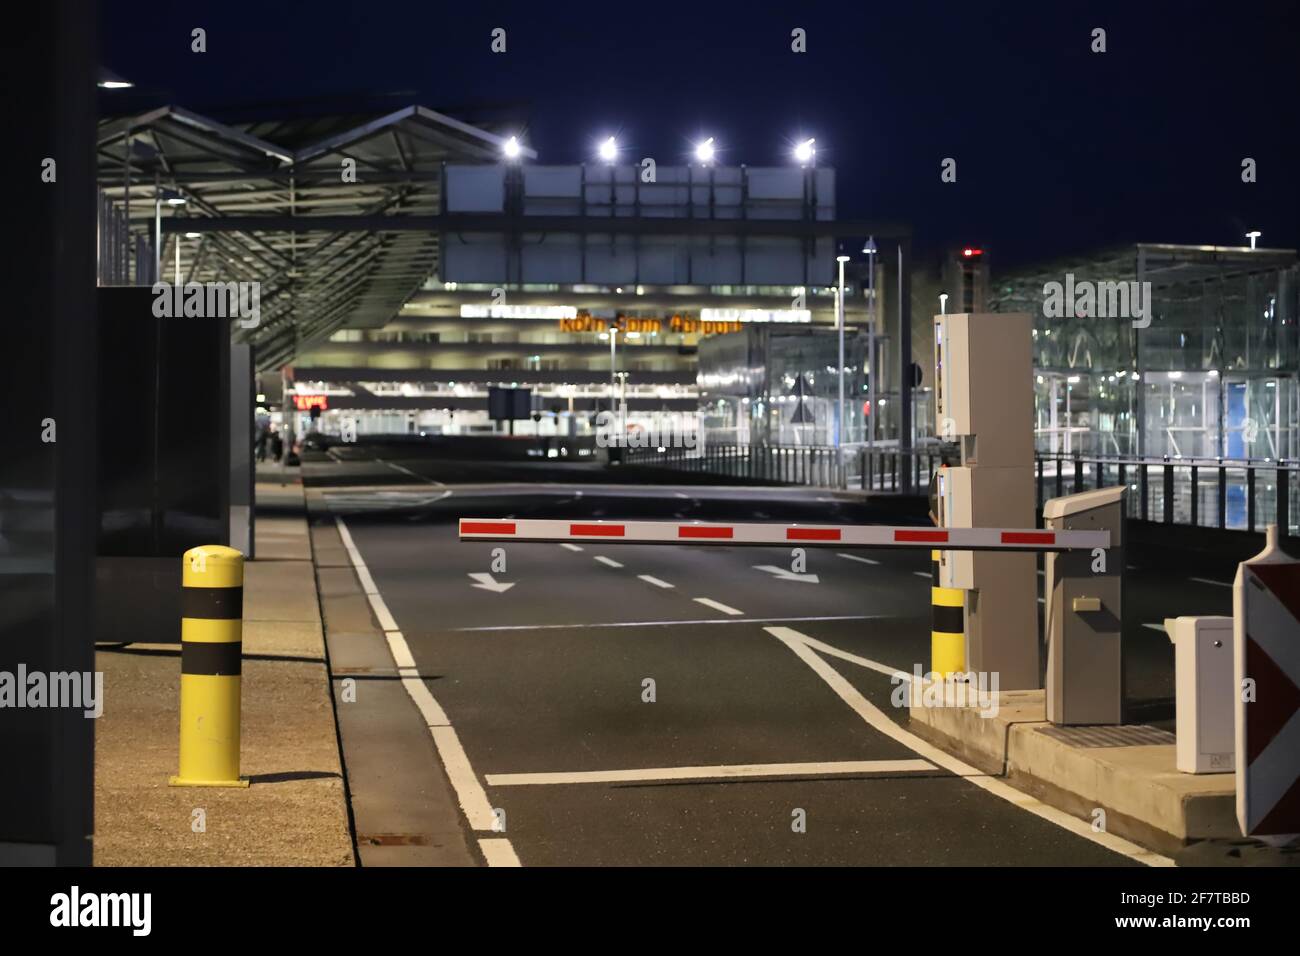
(1144, 797)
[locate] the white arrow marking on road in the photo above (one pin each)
(489, 583)
(801, 644)
(784, 575)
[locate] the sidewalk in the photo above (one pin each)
(294, 813)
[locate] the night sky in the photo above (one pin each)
(1059, 150)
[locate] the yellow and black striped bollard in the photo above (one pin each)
(947, 628)
(212, 604)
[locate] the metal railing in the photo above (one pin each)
(1242, 495)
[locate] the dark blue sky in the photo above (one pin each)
(1058, 149)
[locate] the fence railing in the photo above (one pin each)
(1244, 495)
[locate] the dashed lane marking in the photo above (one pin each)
(651, 579)
(719, 606)
(854, 557)
(608, 562)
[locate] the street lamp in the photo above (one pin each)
(943, 303)
(609, 150)
(1252, 236)
(839, 308)
(511, 148)
(869, 250)
(804, 153)
(705, 151)
(613, 363)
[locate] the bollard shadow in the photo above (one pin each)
(290, 775)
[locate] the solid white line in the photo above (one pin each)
(1222, 584)
(718, 606)
(571, 547)
(722, 771)
(854, 557)
(877, 719)
(712, 620)
(386, 622)
(650, 579)
(432, 481)
(855, 659)
(610, 562)
(469, 792)
(498, 852)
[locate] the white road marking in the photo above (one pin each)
(571, 547)
(432, 481)
(854, 557)
(1042, 601)
(469, 792)
(651, 579)
(712, 620)
(877, 719)
(680, 495)
(1157, 627)
(782, 574)
(923, 574)
(484, 580)
(1222, 584)
(609, 562)
(854, 658)
(1042, 573)
(498, 852)
(718, 606)
(720, 772)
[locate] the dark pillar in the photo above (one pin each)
(47, 468)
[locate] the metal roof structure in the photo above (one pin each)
(175, 175)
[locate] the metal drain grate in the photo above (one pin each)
(1137, 735)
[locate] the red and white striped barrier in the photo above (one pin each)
(1266, 634)
(850, 535)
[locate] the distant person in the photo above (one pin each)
(277, 446)
(263, 435)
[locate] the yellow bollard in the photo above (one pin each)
(947, 628)
(212, 630)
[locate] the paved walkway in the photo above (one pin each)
(295, 812)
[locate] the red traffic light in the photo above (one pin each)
(968, 252)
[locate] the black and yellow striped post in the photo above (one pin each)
(212, 604)
(947, 630)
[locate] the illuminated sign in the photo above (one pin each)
(306, 403)
(585, 322)
(518, 311)
(756, 315)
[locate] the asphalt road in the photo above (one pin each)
(549, 677)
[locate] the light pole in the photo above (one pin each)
(839, 309)
(613, 364)
(870, 250)
(1252, 236)
(943, 303)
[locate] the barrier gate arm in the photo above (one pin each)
(813, 535)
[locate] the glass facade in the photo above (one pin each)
(779, 386)
(1214, 374)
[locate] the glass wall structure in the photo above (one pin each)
(779, 386)
(1213, 374)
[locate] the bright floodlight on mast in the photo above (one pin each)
(511, 148)
(704, 152)
(609, 150)
(805, 153)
